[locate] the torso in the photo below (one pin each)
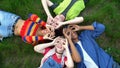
(18, 26)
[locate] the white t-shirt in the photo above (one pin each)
(87, 59)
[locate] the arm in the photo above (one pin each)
(35, 18)
(73, 21)
(78, 28)
(94, 30)
(75, 55)
(45, 4)
(69, 63)
(40, 48)
(32, 39)
(38, 20)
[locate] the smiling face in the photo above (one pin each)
(42, 32)
(74, 35)
(55, 21)
(59, 45)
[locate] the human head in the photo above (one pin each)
(74, 35)
(60, 41)
(42, 32)
(56, 20)
(59, 18)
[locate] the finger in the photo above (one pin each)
(48, 35)
(70, 26)
(64, 30)
(51, 39)
(73, 29)
(66, 42)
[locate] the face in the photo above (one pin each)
(45, 31)
(59, 18)
(74, 35)
(42, 32)
(59, 45)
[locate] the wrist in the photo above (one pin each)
(49, 15)
(80, 28)
(69, 39)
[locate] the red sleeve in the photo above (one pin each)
(46, 50)
(65, 59)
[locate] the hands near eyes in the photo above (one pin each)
(74, 27)
(51, 34)
(55, 22)
(60, 41)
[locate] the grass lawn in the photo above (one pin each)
(14, 53)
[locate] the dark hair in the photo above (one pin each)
(58, 32)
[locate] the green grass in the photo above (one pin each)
(14, 53)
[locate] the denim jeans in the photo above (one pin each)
(7, 20)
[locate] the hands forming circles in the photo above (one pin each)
(54, 22)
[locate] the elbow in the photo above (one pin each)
(70, 66)
(80, 19)
(37, 49)
(77, 60)
(98, 26)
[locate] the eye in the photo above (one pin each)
(63, 43)
(56, 23)
(68, 33)
(50, 23)
(57, 41)
(73, 28)
(70, 26)
(48, 35)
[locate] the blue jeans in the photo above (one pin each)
(7, 20)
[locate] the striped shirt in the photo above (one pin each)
(29, 29)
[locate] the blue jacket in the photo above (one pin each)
(99, 56)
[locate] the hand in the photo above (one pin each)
(58, 25)
(54, 42)
(48, 36)
(65, 45)
(50, 28)
(49, 20)
(67, 33)
(74, 27)
(53, 24)
(58, 20)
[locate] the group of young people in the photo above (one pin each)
(64, 47)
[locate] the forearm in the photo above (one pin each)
(89, 27)
(75, 55)
(74, 21)
(42, 46)
(69, 62)
(45, 6)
